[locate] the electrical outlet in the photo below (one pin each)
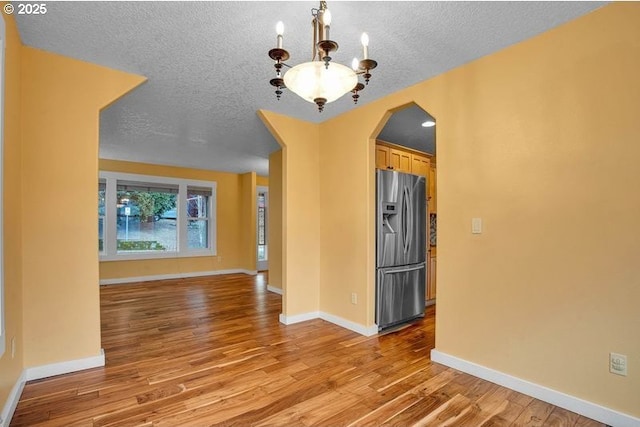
(13, 347)
(618, 364)
(354, 298)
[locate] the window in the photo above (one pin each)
(198, 217)
(262, 226)
(143, 217)
(102, 191)
(146, 217)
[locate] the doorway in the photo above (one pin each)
(407, 143)
(262, 210)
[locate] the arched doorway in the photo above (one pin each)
(406, 244)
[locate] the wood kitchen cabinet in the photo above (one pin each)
(432, 190)
(382, 157)
(420, 165)
(431, 285)
(401, 160)
(432, 209)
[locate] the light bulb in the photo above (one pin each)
(428, 124)
(279, 31)
(364, 39)
(365, 45)
(326, 17)
(355, 64)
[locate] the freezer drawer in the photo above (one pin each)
(400, 293)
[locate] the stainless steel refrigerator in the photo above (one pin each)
(400, 247)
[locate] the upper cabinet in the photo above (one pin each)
(401, 160)
(382, 157)
(420, 165)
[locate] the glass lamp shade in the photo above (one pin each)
(312, 80)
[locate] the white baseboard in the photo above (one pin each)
(297, 318)
(175, 276)
(571, 403)
(274, 289)
(12, 401)
(348, 324)
(337, 320)
(37, 372)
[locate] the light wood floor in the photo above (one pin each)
(204, 351)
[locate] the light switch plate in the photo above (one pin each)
(476, 225)
(618, 364)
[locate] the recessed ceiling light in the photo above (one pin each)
(428, 124)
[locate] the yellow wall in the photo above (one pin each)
(274, 217)
(544, 150)
(347, 196)
(233, 224)
(60, 104)
(262, 180)
(10, 368)
(248, 211)
(301, 216)
(540, 140)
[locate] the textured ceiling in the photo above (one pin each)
(208, 69)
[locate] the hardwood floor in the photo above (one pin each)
(210, 351)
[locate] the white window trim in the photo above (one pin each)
(110, 229)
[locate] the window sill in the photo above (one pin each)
(162, 255)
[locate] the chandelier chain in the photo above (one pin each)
(314, 48)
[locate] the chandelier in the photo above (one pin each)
(320, 80)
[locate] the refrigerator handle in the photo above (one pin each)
(405, 269)
(405, 217)
(412, 223)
